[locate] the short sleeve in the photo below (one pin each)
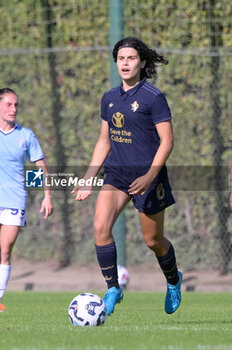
(34, 150)
(104, 107)
(160, 110)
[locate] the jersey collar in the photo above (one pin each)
(132, 91)
(11, 130)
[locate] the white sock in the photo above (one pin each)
(4, 278)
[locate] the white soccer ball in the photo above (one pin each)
(123, 276)
(87, 310)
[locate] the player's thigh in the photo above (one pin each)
(110, 203)
(152, 227)
(9, 234)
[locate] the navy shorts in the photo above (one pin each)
(157, 198)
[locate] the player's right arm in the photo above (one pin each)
(101, 151)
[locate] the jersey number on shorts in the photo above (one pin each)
(160, 192)
(15, 212)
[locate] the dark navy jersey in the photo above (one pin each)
(132, 117)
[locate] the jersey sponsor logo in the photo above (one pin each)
(34, 178)
(134, 106)
(118, 120)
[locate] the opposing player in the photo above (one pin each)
(16, 145)
(136, 139)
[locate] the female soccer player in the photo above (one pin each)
(16, 145)
(136, 139)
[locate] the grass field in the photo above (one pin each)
(39, 321)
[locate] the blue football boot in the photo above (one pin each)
(173, 296)
(112, 297)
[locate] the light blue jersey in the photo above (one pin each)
(16, 147)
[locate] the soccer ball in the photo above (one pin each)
(87, 310)
(123, 276)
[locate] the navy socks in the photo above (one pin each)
(168, 266)
(107, 259)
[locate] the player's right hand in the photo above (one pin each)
(82, 192)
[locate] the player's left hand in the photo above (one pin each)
(140, 185)
(46, 207)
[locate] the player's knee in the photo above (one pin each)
(102, 230)
(5, 256)
(152, 244)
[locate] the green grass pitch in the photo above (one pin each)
(39, 321)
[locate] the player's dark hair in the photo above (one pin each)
(6, 91)
(153, 59)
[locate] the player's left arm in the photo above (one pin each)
(46, 206)
(142, 183)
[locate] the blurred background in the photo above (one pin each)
(56, 55)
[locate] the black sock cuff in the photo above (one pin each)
(169, 255)
(105, 248)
